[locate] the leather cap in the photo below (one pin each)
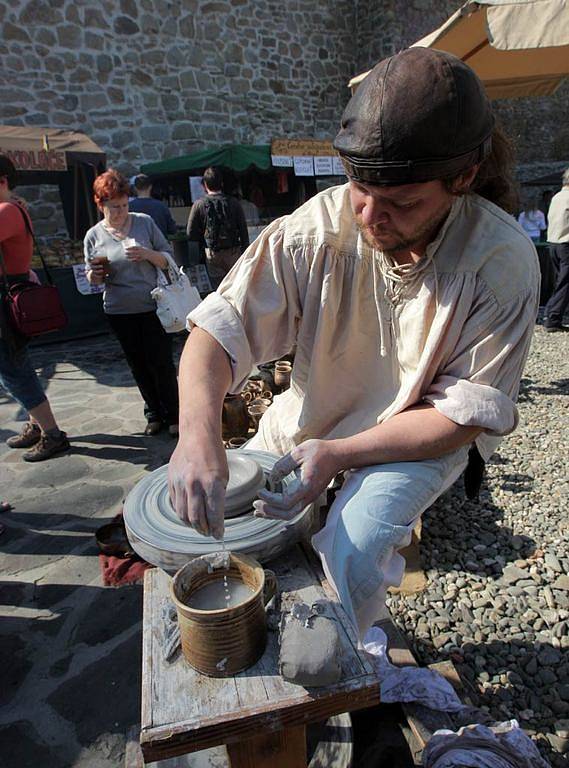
(418, 116)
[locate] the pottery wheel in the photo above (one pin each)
(161, 538)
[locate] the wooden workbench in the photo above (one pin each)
(256, 713)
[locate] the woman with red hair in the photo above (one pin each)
(125, 251)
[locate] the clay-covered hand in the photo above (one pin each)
(315, 463)
(197, 478)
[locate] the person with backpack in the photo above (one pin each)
(217, 223)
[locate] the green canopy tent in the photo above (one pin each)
(238, 157)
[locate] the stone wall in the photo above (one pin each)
(152, 79)
(148, 81)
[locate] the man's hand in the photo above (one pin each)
(316, 463)
(197, 478)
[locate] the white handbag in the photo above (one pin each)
(175, 297)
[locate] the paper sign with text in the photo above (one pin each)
(304, 166)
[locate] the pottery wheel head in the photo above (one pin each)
(158, 535)
(246, 478)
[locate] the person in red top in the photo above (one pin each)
(17, 374)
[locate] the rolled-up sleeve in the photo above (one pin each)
(255, 313)
(478, 384)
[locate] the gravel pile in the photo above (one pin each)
(497, 601)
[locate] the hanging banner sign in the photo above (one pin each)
(281, 161)
(36, 160)
(81, 282)
(303, 166)
(301, 147)
(324, 166)
(196, 188)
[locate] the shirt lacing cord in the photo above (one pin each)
(399, 279)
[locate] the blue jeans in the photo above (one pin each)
(19, 378)
(373, 516)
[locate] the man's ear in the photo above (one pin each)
(463, 182)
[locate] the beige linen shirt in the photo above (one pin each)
(458, 338)
(558, 217)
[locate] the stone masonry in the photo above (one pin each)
(153, 79)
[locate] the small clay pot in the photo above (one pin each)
(256, 410)
(222, 642)
(282, 375)
(266, 394)
(266, 374)
(234, 417)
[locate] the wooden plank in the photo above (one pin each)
(147, 670)
(280, 749)
(422, 720)
(181, 738)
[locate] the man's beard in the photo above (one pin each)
(425, 233)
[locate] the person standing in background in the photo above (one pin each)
(217, 223)
(532, 220)
(156, 209)
(558, 239)
(18, 376)
(125, 251)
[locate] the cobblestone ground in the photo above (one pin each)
(497, 600)
(71, 647)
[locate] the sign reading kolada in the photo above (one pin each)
(46, 149)
(36, 159)
(308, 157)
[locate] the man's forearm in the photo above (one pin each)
(416, 434)
(205, 377)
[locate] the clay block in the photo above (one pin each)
(310, 646)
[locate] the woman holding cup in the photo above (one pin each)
(124, 251)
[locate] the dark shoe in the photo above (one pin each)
(47, 447)
(30, 435)
(153, 428)
(552, 328)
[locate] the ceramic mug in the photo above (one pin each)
(223, 641)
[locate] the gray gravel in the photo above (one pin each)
(497, 601)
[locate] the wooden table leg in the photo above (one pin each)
(277, 749)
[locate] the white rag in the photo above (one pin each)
(504, 745)
(403, 684)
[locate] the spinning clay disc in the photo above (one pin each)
(161, 538)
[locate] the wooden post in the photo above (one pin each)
(277, 749)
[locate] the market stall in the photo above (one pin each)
(71, 162)
(269, 180)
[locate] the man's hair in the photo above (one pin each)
(213, 178)
(495, 179)
(109, 185)
(8, 169)
(566, 177)
(142, 181)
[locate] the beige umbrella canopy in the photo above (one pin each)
(517, 47)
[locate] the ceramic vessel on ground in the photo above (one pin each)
(267, 375)
(225, 641)
(256, 410)
(283, 371)
(234, 417)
